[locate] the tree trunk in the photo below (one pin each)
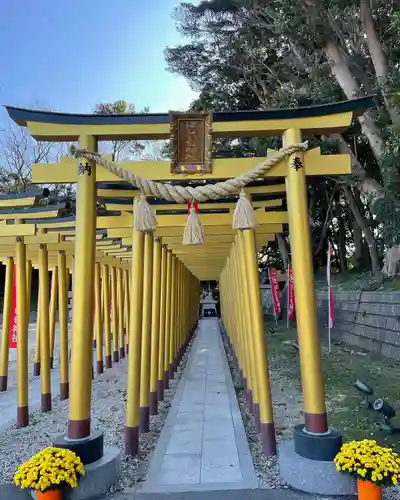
(358, 246)
(365, 184)
(283, 248)
(361, 253)
(373, 190)
(373, 43)
(350, 87)
(327, 222)
(361, 221)
(377, 56)
(391, 265)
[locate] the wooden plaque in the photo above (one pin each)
(191, 143)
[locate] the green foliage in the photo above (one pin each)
(270, 257)
(114, 108)
(154, 150)
(252, 54)
(391, 87)
(387, 209)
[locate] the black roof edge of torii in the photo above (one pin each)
(21, 116)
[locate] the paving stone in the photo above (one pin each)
(196, 427)
(191, 408)
(211, 473)
(211, 452)
(183, 470)
(193, 399)
(214, 413)
(185, 441)
(218, 430)
(216, 387)
(185, 418)
(217, 398)
(216, 466)
(218, 378)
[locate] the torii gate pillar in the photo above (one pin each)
(306, 310)
(313, 440)
(80, 438)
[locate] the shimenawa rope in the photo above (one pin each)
(144, 218)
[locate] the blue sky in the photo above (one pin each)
(68, 55)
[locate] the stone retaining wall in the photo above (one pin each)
(370, 320)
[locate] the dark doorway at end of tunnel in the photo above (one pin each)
(209, 312)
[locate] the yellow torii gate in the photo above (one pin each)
(48, 251)
(229, 256)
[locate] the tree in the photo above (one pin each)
(120, 150)
(18, 153)
(362, 223)
(263, 53)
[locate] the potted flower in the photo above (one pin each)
(49, 472)
(373, 467)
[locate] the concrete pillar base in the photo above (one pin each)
(313, 476)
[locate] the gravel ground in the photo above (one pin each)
(12, 363)
(108, 413)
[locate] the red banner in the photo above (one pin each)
(276, 295)
(291, 301)
(13, 317)
(331, 309)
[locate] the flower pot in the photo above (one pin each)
(368, 490)
(49, 495)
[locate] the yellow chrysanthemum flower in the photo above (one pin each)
(50, 467)
(369, 460)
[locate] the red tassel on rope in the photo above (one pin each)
(195, 205)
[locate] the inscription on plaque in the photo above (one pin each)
(191, 143)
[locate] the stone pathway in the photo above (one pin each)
(9, 493)
(254, 494)
(203, 445)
